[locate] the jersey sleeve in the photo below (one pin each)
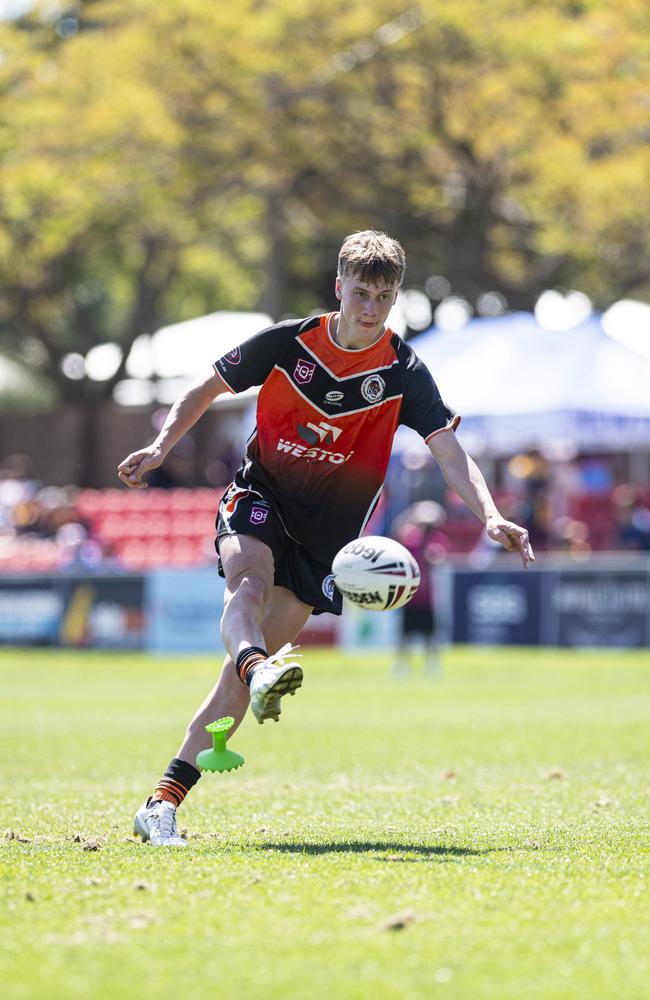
(422, 405)
(253, 361)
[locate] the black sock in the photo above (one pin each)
(176, 782)
(247, 659)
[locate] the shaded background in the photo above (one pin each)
(160, 163)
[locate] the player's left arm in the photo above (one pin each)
(464, 476)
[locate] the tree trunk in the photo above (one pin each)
(89, 442)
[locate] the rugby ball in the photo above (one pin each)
(376, 573)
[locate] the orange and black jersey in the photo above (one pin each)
(326, 417)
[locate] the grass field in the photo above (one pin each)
(482, 835)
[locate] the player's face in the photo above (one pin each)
(364, 310)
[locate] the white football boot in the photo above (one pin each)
(273, 679)
(156, 823)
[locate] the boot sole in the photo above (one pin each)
(269, 704)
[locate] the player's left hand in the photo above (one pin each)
(512, 537)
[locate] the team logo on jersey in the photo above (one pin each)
(258, 515)
(373, 388)
(334, 397)
(233, 357)
(304, 371)
(328, 587)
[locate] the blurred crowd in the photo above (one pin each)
(576, 507)
(41, 524)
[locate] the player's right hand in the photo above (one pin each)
(135, 465)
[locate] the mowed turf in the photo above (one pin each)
(482, 834)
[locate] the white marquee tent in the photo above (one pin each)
(518, 385)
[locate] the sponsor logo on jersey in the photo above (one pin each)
(313, 454)
(334, 397)
(328, 587)
(258, 515)
(233, 357)
(320, 433)
(304, 371)
(373, 388)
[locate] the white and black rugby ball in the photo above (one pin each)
(376, 573)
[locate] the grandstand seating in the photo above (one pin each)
(597, 511)
(140, 530)
(29, 555)
(145, 529)
(133, 530)
(150, 528)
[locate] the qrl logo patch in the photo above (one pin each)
(373, 388)
(233, 357)
(304, 371)
(328, 587)
(258, 515)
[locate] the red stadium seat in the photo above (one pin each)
(181, 500)
(195, 525)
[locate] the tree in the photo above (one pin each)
(507, 146)
(166, 160)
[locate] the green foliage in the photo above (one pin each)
(483, 834)
(172, 159)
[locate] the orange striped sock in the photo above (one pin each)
(176, 782)
(247, 660)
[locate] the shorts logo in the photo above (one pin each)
(232, 498)
(373, 388)
(328, 587)
(333, 397)
(304, 371)
(233, 357)
(258, 515)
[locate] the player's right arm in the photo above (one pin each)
(187, 409)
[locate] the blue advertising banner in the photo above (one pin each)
(83, 610)
(605, 608)
(31, 609)
(496, 608)
(599, 604)
(102, 612)
(183, 611)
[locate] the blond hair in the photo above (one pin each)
(372, 257)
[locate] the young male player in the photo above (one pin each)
(333, 390)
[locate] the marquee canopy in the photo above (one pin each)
(518, 385)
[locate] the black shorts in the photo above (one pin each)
(246, 511)
(418, 621)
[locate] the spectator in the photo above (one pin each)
(17, 486)
(632, 519)
(533, 473)
(572, 536)
(418, 529)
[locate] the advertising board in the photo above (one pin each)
(496, 607)
(609, 608)
(183, 609)
(30, 611)
(85, 610)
